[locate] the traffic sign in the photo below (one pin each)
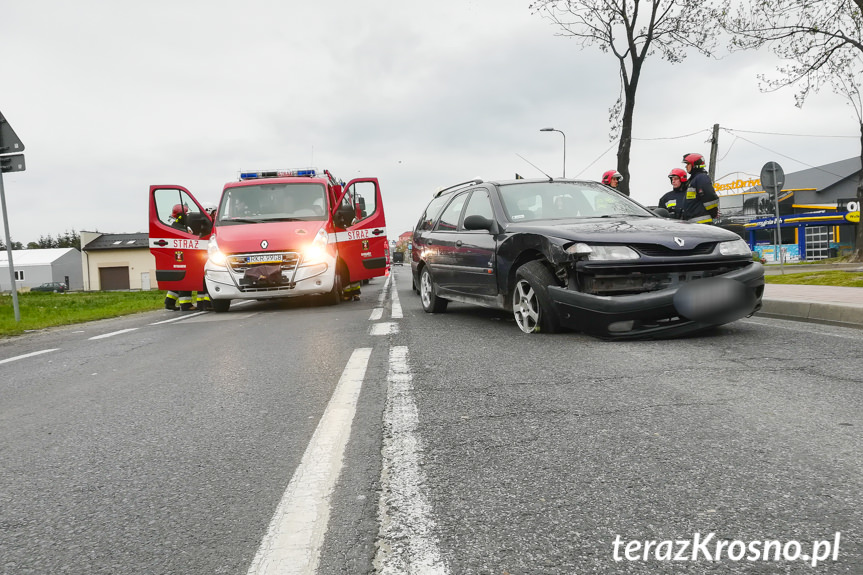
(9, 140)
(12, 163)
(772, 176)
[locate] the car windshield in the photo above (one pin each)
(565, 200)
(276, 202)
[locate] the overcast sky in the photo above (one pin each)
(111, 96)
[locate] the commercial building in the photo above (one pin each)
(818, 213)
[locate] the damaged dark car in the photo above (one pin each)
(567, 254)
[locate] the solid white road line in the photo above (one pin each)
(383, 297)
(17, 357)
(113, 333)
(406, 541)
(293, 541)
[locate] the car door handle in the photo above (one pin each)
(458, 243)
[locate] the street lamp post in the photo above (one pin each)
(564, 145)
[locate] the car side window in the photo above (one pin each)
(450, 217)
(479, 204)
(428, 218)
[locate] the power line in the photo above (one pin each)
(671, 137)
(789, 157)
(599, 158)
(732, 130)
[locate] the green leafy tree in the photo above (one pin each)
(820, 44)
(632, 31)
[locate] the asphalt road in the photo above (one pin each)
(472, 448)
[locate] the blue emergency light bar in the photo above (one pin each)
(305, 172)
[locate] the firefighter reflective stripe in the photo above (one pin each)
(711, 205)
(171, 300)
(705, 219)
(352, 291)
(352, 235)
(185, 299)
(671, 204)
(203, 297)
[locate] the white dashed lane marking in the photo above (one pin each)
(17, 357)
(113, 333)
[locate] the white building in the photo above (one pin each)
(35, 267)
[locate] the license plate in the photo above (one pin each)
(265, 259)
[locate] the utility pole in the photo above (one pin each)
(714, 146)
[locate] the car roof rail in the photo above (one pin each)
(456, 186)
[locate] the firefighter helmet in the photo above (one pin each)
(680, 173)
(179, 210)
(210, 208)
(607, 177)
(696, 160)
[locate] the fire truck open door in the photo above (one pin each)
(363, 241)
(179, 246)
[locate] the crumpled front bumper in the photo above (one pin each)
(659, 313)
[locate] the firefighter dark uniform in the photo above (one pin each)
(700, 204)
(674, 200)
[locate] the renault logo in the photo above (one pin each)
(678, 241)
(265, 243)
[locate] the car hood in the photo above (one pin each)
(626, 230)
(279, 236)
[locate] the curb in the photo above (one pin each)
(815, 312)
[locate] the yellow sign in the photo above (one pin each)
(736, 185)
(853, 217)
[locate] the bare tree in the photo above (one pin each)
(632, 30)
(821, 43)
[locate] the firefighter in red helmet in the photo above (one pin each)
(612, 178)
(700, 204)
(673, 201)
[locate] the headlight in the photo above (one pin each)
(603, 252)
(315, 251)
(735, 248)
(216, 256)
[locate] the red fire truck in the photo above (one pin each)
(275, 234)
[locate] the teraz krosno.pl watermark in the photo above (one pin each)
(708, 548)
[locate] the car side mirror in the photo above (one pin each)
(662, 212)
(344, 216)
(478, 223)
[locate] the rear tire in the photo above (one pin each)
(531, 304)
(431, 302)
(221, 305)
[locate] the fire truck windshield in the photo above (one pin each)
(271, 202)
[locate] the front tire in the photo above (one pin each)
(431, 302)
(221, 305)
(531, 305)
(334, 296)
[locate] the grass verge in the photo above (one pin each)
(825, 278)
(41, 310)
